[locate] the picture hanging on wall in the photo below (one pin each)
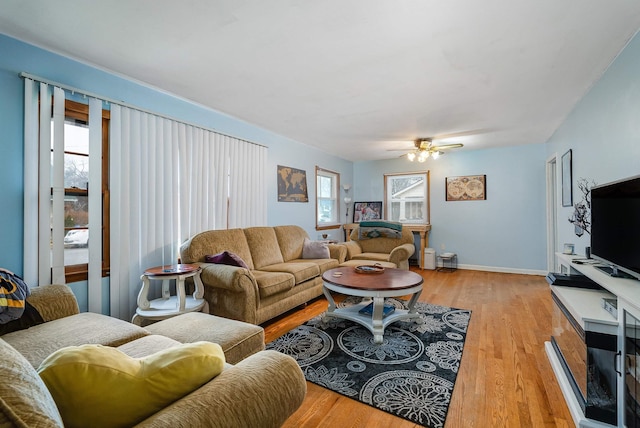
(567, 180)
(292, 185)
(466, 188)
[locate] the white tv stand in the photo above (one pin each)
(585, 306)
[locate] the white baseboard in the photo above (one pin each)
(503, 269)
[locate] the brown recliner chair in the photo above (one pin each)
(391, 250)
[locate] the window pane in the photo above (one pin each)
(324, 187)
(326, 211)
(326, 197)
(407, 198)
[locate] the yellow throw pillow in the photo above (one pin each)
(100, 386)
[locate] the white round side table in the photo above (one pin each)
(168, 305)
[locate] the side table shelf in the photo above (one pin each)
(169, 305)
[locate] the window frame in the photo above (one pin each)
(427, 196)
(80, 272)
(335, 176)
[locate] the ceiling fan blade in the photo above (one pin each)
(447, 146)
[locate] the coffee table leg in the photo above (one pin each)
(332, 303)
(376, 319)
(412, 302)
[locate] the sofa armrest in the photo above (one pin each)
(261, 391)
(401, 253)
(353, 249)
(338, 252)
(53, 301)
(231, 278)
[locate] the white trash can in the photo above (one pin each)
(429, 258)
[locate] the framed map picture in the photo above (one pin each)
(466, 188)
(292, 185)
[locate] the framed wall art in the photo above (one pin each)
(466, 188)
(292, 185)
(567, 180)
(365, 211)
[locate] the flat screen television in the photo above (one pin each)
(615, 226)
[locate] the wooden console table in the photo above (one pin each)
(421, 229)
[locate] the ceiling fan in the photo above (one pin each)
(424, 148)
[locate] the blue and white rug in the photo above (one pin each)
(410, 375)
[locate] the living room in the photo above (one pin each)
(507, 232)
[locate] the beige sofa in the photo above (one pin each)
(262, 389)
(277, 280)
(380, 250)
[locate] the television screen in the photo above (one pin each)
(615, 225)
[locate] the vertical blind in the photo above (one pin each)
(168, 181)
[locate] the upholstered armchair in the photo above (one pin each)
(381, 249)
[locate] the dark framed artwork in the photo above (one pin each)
(292, 185)
(567, 180)
(365, 211)
(466, 188)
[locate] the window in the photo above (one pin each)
(407, 197)
(76, 193)
(327, 202)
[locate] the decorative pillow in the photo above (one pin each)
(24, 399)
(315, 250)
(226, 258)
(103, 387)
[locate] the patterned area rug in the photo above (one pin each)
(410, 375)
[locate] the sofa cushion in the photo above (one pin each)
(290, 240)
(197, 247)
(38, 342)
(25, 401)
(270, 283)
(314, 249)
(301, 271)
(323, 264)
(226, 258)
(376, 257)
(264, 246)
(103, 385)
(147, 345)
(238, 339)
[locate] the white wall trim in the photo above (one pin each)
(501, 269)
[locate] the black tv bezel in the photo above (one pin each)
(594, 255)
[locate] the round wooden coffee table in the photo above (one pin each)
(377, 286)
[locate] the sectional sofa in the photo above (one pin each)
(258, 389)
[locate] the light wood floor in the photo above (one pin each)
(505, 379)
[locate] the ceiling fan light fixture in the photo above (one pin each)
(411, 156)
(423, 156)
(435, 155)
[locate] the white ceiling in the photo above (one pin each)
(354, 77)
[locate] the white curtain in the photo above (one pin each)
(44, 191)
(169, 181)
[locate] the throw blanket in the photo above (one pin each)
(379, 229)
(13, 294)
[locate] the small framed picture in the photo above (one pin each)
(365, 211)
(466, 188)
(568, 248)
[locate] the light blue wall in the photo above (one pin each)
(504, 232)
(16, 57)
(603, 132)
